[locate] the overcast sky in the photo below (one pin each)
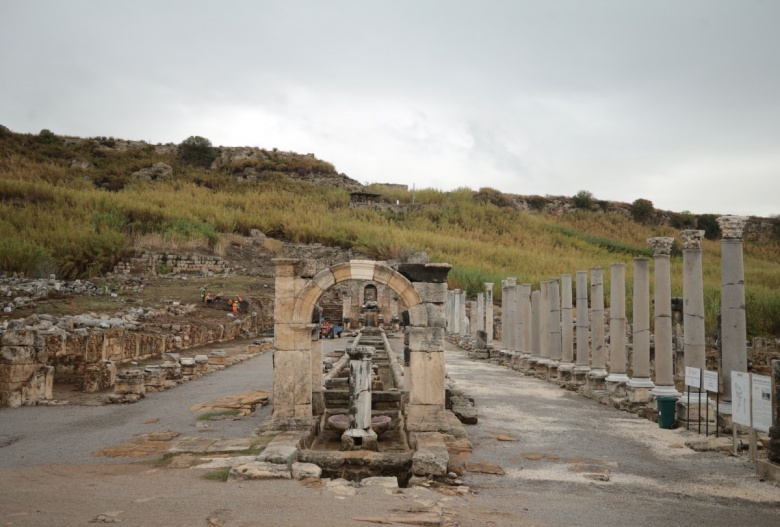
(673, 101)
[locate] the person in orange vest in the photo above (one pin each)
(235, 306)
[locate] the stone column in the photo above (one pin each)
(504, 308)
(424, 340)
(473, 318)
(359, 436)
(509, 329)
(346, 311)
(464, 320)
(489, 312)
(317, 397)
(693, 301)
(567, 337)
(598, 365)
(536, 298)
(617, 377)
(480, 312)
(542, 365)
(555, 327)
(456, 312)
(664, 353)
(732, 300)
(583, 344)
(524, 316)
(292, 389)
(773, 452)
(640, 384)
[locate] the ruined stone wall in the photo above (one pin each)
(150, 263)
(387, 301)
(32, 360)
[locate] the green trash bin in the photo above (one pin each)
(666, 411)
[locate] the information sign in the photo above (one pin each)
(762, 402)
(740, 398)
(711, 381)
(692, 377)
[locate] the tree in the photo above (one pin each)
(642, 210)
(198, 151)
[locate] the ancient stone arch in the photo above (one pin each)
(298, 361)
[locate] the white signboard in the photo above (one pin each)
(762, 402)
(692, 377)
(711, 381)
(740, 398)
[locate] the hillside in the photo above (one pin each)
(75, 207)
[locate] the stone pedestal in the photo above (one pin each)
(130, 382)
(154, 378)
(187, 367)
(218, 358)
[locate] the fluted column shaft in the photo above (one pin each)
(554, 321)
(599, 352)
(640, 376)
(489, 312)
(525, 312)
(617, 323)
(536, 298)
(567, 320)
(583, 346)
(544, 320)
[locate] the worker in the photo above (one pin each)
(235, 307)
(208, 300)
(203, 294)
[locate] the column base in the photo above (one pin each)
(542, 370)
(665, 391)
(426, 418)
(638, 390)
(596, 379)
(553, 369)
(579, 375)
(532, 365)
(616, 388)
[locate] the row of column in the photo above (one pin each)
(537, 326)
(481, 310)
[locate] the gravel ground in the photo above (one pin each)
(568, 461)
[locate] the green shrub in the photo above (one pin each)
(496, 197)
(197, 151)
(642, 210)
(537, 203)
(683, 220)
(47, 137)
(709, 224)
(583, 200)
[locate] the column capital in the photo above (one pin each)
(732, 226)
(489, 286)
(691, 238)
(662, 245)
(511, 281)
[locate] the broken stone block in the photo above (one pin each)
(130, 382)
(279, 454)
(187, 366)
(378, 481)
(218, 358)
(201, 363)
(305, 470)
(260, 470)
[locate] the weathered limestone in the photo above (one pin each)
(510, 336)
(583, 345)
(536, 298)
(566, 366)
(733, 322)
(504, 313)
(464, 320)
(359, 436)
(554, 328)
(456, 314)
(489, 312)
(693, 306)
(480, 323)
(664, 353)
(617, 378)
(640, 384)
(598, 366)
(473, 318)
(543, 364)
(773, 452)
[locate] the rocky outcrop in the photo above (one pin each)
(156, 172)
